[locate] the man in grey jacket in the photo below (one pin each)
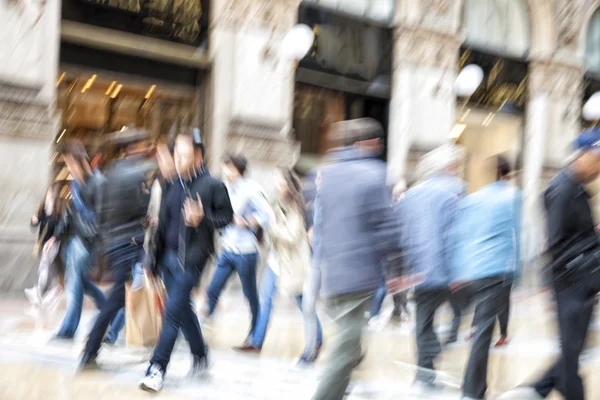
(353, 240)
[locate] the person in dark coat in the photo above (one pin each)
(196, 206)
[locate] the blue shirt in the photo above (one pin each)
(83, 209)
(487, 233)
(427, 213)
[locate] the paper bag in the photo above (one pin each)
(144, 312)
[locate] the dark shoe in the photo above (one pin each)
(107, 341)
(200, 366)
(246, 348)
(154, 379)
(451, 340)
(61, 338)
(88, 363)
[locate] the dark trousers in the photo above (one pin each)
(504, 314)
(245, 265)
(428, 346)
(400, 304)
(459, 301)
(179, 314)
(575, 306)
(490, 300)
(121, 258)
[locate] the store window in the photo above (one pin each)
(498, 25)
(93, 105)
(376, 10)
(592, 49)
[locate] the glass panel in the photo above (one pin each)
(501, 25)
(378, 10)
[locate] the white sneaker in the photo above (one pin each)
(153, 381)
(522, 393)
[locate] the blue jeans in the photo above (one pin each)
(378, 299)
(245, 265)
(268, 290)
(121, 257)
(78, 263)
(179, 314)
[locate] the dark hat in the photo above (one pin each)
(127, 137)
(238, 161)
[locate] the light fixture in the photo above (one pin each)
(465, 115)
(61, 135)
(116, 92)
(60, 79)
(298, 42)
(456, 131)
(488, 120)
(89, 84)
(591, 108)
(124, 128)
(468, 80)
(110, 87)
(150, 91)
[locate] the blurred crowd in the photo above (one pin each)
(343, 236)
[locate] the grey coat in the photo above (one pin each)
(356, 226)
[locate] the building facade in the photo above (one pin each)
(104, 66)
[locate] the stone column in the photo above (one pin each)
(252, 87)
(422, 109)
(29, 45)
(552, 122)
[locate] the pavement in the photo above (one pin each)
(34, 367)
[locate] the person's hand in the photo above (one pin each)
(239, 221)
(193, 211)
(49, 245)
(310, 235)
(395, 285)
(35, 220)
(153, 222)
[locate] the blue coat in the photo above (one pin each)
(486, 236)
(356, 228)
(427, 214)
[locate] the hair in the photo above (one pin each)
(76, 150)
(356, 130)
(502, 167)
(239, 162)
(439, 160)
(294, 188)
(57, 209)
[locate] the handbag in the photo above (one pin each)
(144, 312)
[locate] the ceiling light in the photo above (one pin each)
(110, 88)
(89, 84)
(60, 79)
(150, 91)
(457, 130)
(61, 135)
(116, 92)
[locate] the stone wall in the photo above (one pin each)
(28, 124)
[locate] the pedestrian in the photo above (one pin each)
(485, 256)
(48, 284)
(121, 215)
(160, 186)
(78, 229)
(240, 240)
(574, 249)
(195, 207)
(427, 212)
(353, 240)
(289, 258)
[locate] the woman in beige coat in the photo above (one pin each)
(289, 257)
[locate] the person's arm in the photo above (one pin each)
(448, 217)
(221, 213)
(261, 213)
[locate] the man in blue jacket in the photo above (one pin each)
(485, 254)
(428, 212)
(352, 242)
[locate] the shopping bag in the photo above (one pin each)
(144, 312)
